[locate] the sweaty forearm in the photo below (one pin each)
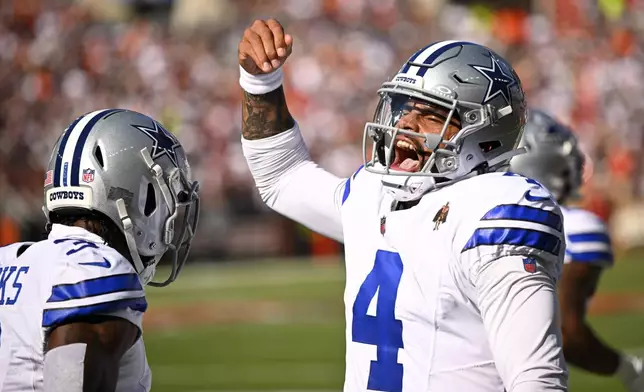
(584, 350)
(265, 115)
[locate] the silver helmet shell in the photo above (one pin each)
(128, 167)
(554, 157)
(476, 86)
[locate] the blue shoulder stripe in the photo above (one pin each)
(347, 190)
(93, 287)
(590, 257)
(347, 185)
(589, 237)
(513, 236)
(525, 213)
(52, 317)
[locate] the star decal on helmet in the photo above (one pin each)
(164, 142)
(499, 81)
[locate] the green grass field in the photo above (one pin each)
(296, 342)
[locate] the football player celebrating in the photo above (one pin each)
(451, 268)
(72, 305)
(556, 161)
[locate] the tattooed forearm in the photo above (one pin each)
(265, 115)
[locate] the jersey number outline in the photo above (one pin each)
(83, 244)
(529, 196)
(382, 330)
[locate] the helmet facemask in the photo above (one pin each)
(179, 238)
(181, 199)
(443, 157)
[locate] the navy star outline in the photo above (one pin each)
(499, 81)
(164, 142)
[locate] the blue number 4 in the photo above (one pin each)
(381, 330)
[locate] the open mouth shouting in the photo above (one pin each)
(408, 156)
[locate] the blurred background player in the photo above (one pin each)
(556, 161)
(118, 197)
(450, 268)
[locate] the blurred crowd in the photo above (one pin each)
(176, 60)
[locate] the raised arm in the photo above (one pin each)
(287, 179)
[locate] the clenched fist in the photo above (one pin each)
(264, 47)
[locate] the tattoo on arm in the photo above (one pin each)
(265, 115)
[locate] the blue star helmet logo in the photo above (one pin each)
(500, 80)
(164, 142)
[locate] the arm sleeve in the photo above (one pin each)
(512, 247)
(290, 183)
(520, 313)
(587, 240)
(64, 368)
(95, 283)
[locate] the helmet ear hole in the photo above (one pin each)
(150, 201)
(489, 146)
(98, 154)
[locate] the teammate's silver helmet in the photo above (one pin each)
(126, 166)
(554, 157)
(474, 85)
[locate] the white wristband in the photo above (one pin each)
(260, 84)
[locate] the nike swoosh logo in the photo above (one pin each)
(105, 263)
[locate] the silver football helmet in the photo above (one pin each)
(554, 157)
(476, 87)
(126, 166)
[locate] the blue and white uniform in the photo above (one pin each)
(459, 301)
(587, 238)
(69, 275)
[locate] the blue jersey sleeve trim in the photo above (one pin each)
(53, 317)
(93, 287)
(347, 185)
(347, 190)
(589, 237)
(525, 213)
(590, 257)
(357, 171)
(514, 236)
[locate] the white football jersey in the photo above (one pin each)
(587, 238)
(457, 293)
(70, 274)
(414, 292)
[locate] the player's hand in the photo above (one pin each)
(631, 373)
(264, 47)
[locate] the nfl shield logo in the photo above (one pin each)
(88, 175)
(530, 265)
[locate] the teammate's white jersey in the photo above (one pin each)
(70, 274)
(587, 238)
(456, 293)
